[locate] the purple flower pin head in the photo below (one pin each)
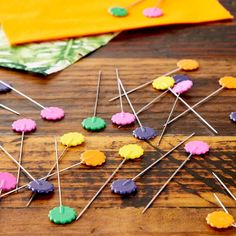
(4, 88)
(180, 77)
(144, 133)
(41, 186)
(123, 186)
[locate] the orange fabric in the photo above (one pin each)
(38, 20)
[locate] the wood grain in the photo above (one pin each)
(140, 55)
(191, 191)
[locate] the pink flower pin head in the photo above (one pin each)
(52, 113)
(183, 86)
(197, 147)
(123, 118)
(24, 125)
(7, 181)
(152, 12)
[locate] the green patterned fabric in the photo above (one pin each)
(48, 57)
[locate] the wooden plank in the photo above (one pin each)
(76, 87)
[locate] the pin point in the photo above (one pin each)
(122, 118)
(47, 113)
(9, 109)
(153, 12)
(62, 214)
(8, 181)
(227, 82)
(220, 219)
(70, 139)
(193, 148)
(95, 123)
(22, 126)
(225, 187)
(143, 133)
(179, 88)
(128, 186)
(181, 65)
(35, 185)
(1, 186)
(197, 114)
(130, 151)
(122, 11)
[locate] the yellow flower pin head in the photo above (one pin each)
(131, 151)
(188, 64)
(93, 158)
(219, 219)
(72, 139)
(163, 82)
(228, 82)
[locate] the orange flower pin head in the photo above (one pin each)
(228, 82)
(220, 219)
(93, 158)
(188, 64)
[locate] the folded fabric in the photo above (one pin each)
(30, 20)
(48, 57)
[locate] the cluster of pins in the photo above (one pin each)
(65, 214)
(62, 214)
(150, 12)
(177, 84)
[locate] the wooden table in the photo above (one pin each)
(140, 55)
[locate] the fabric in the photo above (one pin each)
(49, 57)
(30, 20)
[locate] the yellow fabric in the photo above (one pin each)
(37, 20)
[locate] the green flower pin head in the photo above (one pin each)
(62, 215)
(118, 11)
(94, 123)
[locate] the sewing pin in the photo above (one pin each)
(122, 118)
(62, 214)
(47, 113)
(95, 123)
(179, 88)
(220, 219)
(193, 148)
(143, 133)
(22, 126)
(225, 187)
